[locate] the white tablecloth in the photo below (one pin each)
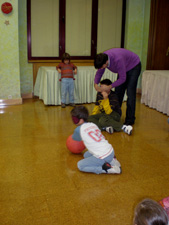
(155, 90)
(48, 86)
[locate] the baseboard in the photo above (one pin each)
(17, 101)
(26, 96)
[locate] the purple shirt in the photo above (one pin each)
(120, 61)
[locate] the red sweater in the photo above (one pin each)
(66, 70)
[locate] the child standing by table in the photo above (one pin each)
(67, 70)
(100, 155)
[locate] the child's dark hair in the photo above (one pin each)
(80, 112)
(106, 82)
(149, 212)
(100, 59)
(65, 56)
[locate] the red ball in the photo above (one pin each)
(75, 146)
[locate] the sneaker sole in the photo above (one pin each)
(115, 172)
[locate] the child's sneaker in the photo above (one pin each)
(72, 104)
(127, 129)
(114, 170)
(63, 105)
(109, 130)
(111, 169)
(115, 162)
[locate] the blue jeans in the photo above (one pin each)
(130, 85)
(92, 164)
(67, 86)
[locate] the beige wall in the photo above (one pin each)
(26, 69)
(9, 56)
(109, 25)
(45, 28)
(16, 74)
(137, 29)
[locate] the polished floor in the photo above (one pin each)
(41, 185)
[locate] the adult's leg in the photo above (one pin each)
(94, 165)
(71, 90)
(120, 90)
(132, 79)
(63, 90)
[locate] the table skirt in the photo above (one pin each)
(155, 90)
(48, 87)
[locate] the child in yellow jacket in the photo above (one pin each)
(107, 112)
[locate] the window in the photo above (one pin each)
(82, 28)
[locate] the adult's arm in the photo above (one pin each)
(98, 88)
(97, 79)
(121, 70)
(98, 75)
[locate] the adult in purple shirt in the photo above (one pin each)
(128, 67)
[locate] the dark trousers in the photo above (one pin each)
(130, 85)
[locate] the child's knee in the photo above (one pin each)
(102, 121)
(80, 166)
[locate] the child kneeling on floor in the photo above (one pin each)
(100, 156)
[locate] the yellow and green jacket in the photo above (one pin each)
(107, 105)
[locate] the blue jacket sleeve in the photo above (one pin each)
(76, 135)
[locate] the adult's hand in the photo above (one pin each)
(106, 88)
(102, 88)
(98, 88)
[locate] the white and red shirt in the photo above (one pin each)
(94, 140)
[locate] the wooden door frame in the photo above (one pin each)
(152, 32)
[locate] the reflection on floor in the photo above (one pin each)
(41, 185)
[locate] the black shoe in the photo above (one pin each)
(111, 169)
(72, 104)
(106, 166)
(63, 105)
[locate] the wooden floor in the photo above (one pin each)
(41, 185)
